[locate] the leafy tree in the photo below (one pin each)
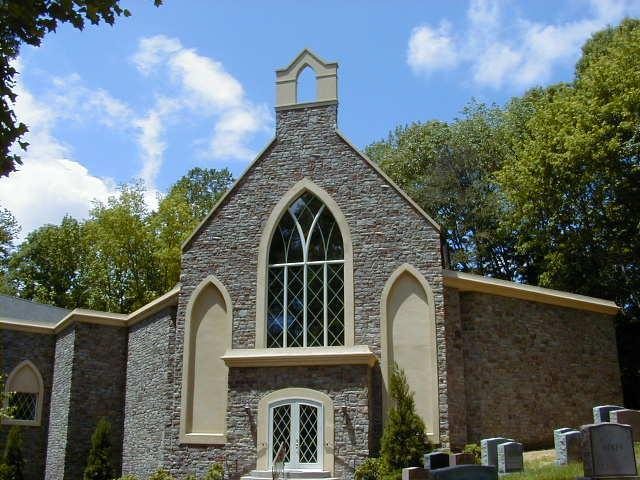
(448, 169)
(27, 22)
(9, 228)
(121, 268)
(49, 266)
(99, 466)
(12, 457)
(179, 213)
(403, 441)
(574, 182)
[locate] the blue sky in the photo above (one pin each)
(192, 83)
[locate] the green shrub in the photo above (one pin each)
(5, 472)
(368, 470)
(191, 476)
(474, 449)
(12, 459)
(404, 441)
(215, 472)
(161, 474)
(127, 477)
(99, 465)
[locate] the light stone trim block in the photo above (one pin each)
(25, 377)
(295, 356)
(204, 381)
(304, 185)
(287, 80)
(295, 394)
(468, 282)
(408, 335)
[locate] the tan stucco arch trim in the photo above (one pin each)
(263, 256)
(384, 335)
(40, 391)
(295, 394)
(208, 438)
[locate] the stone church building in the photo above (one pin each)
(309, 279)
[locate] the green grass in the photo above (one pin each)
(545, 469)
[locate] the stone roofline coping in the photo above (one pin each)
(82, 315)
(300, 356)
(467, 282)
(341, 135)
(303, 105)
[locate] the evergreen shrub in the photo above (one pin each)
(99, 466)
(12, 460)
(215, 472)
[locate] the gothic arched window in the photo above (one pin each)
(305, 304)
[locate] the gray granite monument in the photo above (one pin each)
(601, 412)
(607, 451)
(510, 457)
(414, 473)
(462, 459)
(489, 450)
(465, 472)
(568, 447)
(628, 417)
(435, 460)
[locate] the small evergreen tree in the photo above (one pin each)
(404, 440)
(99, 465)
(12, 458)
(215, 472)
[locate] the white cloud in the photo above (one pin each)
(501, 48)
(202, 87)
(50, 184)
(431, 49)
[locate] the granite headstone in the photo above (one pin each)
(414, 473)
(607, 451)
(462, 459)
(510, 457)
(601, 413)
(568, 447)
(465, 472)
(628, 417)
(435, 460)
(489, 450)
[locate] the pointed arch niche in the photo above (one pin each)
(280, 210)
(204, 377)
(408, 334)
(25, 390)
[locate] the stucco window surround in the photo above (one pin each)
(295, 394)
(408, 334)
(207, 336)
(25, 380)
(281, 209)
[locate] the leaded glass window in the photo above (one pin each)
(305, 305)
(22, 405)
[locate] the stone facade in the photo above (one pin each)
(531, 367)
(147, 390)
(88, 384)
(39, 349)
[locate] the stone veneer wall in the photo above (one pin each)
(532, 367)
(455, 370)
(386, 232)
(60, 404)
(39, 349)
(147, 393)
(88, 384)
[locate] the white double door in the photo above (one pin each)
(295, 434)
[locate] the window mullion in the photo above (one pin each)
(304, 303)
(285, 306)
(325, 306)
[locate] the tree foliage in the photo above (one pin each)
(99, 462)
(13, 460)
(123, 256)
(403, 441)
(27, 22)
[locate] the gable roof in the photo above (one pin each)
(366, 159)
